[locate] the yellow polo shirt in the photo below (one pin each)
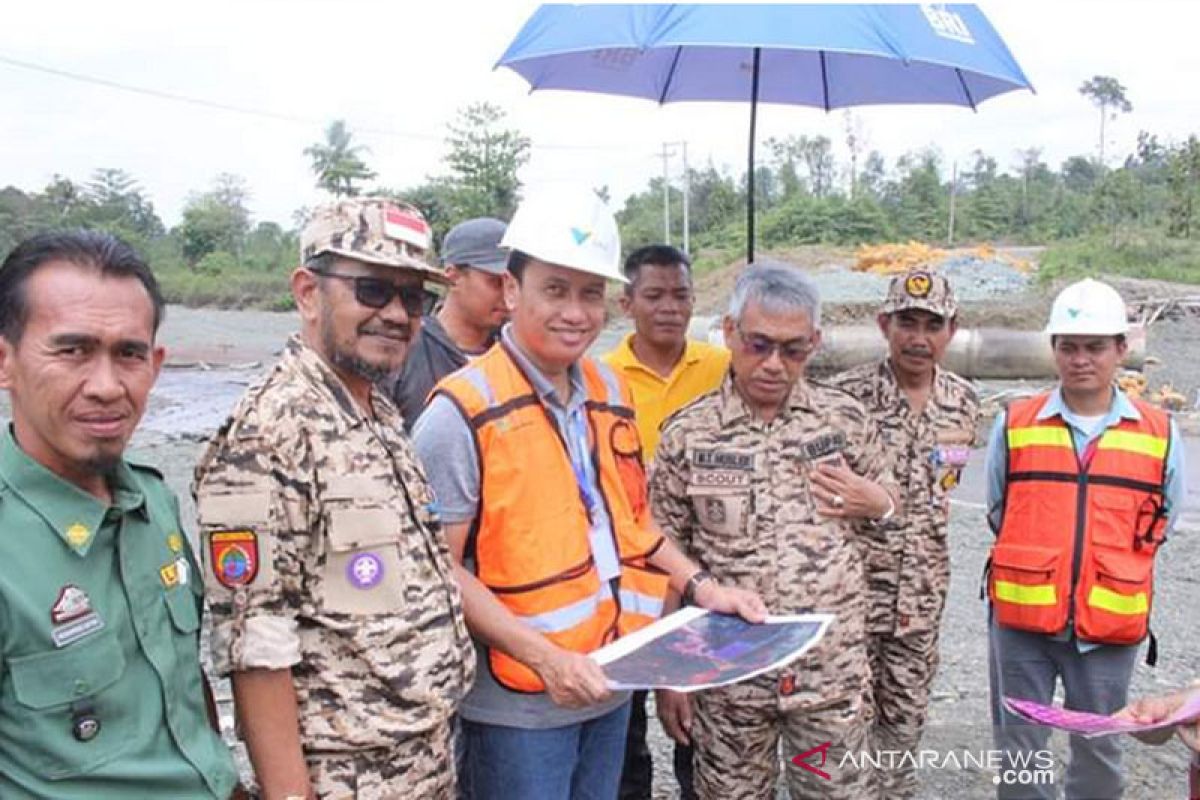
(655, 398)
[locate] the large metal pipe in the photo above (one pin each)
(976, 353)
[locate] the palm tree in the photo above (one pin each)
(336, 161)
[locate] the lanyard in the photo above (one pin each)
(577, 430)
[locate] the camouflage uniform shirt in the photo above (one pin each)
(322, 554)
(735, 493)
(908, 561)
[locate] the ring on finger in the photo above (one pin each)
(838, 501)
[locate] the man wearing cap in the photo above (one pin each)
(665, 371)
(1084, 484)
(926, 417)
(536, 460)
(333, 598)
(470, 317)
(101, 690)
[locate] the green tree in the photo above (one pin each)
(814, 154)
(484, 158)
(1108, 95)
(216, 221)
(1079, 174)
(113, 201)
(873, 176)
(337, 162)
(1184, 186)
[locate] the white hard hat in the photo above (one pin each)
(571, 228)
(1088, 308)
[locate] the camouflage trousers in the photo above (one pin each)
(737, 732)
(902, 670)
(422, 766)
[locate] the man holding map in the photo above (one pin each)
(762, 482)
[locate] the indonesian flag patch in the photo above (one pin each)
(234, 557)
(405, 225)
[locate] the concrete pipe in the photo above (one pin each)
(977, 353)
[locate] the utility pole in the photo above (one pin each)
(687, 186)
(953, 188)
(668, 150)
(666, 196)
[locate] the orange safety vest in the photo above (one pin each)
(529, 541)
(1078, 534)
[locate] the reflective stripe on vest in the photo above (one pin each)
(1026, 595)
(638, 603)
(1117, 603)
(567, 617)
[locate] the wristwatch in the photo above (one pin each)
(891, 511)
(693, 583)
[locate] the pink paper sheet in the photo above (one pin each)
(1087, 724)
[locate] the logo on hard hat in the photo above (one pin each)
(918, 284)
(580, 235)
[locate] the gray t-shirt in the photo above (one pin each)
(446, 447)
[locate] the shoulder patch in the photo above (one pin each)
(233, 556)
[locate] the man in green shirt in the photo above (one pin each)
(101, 690)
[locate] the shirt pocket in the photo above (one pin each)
(363, 572)
(49, 689)
(181, 606)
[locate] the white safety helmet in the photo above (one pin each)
(1088, 308)
(569, 227)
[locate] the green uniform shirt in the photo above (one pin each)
(101, 689)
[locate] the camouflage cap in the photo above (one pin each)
(374, 230)
(921, 290)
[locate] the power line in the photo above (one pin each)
(254, 112)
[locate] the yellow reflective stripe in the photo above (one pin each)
(1117, 603)
(1141, 443)
(1041, 594)
(1044, 436)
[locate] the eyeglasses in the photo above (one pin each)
(759, 346)
(377, 293)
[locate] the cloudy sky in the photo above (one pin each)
(397, 71)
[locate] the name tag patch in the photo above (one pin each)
(723, 459)
(824, 447)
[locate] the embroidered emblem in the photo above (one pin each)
(175, 542)
(365, 570)
(78, 535)
(234, 557)
(714, 510)
(169, 575)
(72, 616)
(918, 284)
(71, 604)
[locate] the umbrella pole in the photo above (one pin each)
(750, 168)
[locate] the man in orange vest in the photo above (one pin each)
(535, 457)
(1083, 483)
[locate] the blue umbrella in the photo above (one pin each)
(827, 56)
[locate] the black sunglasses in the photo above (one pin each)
(759, 346)
(377, 293)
